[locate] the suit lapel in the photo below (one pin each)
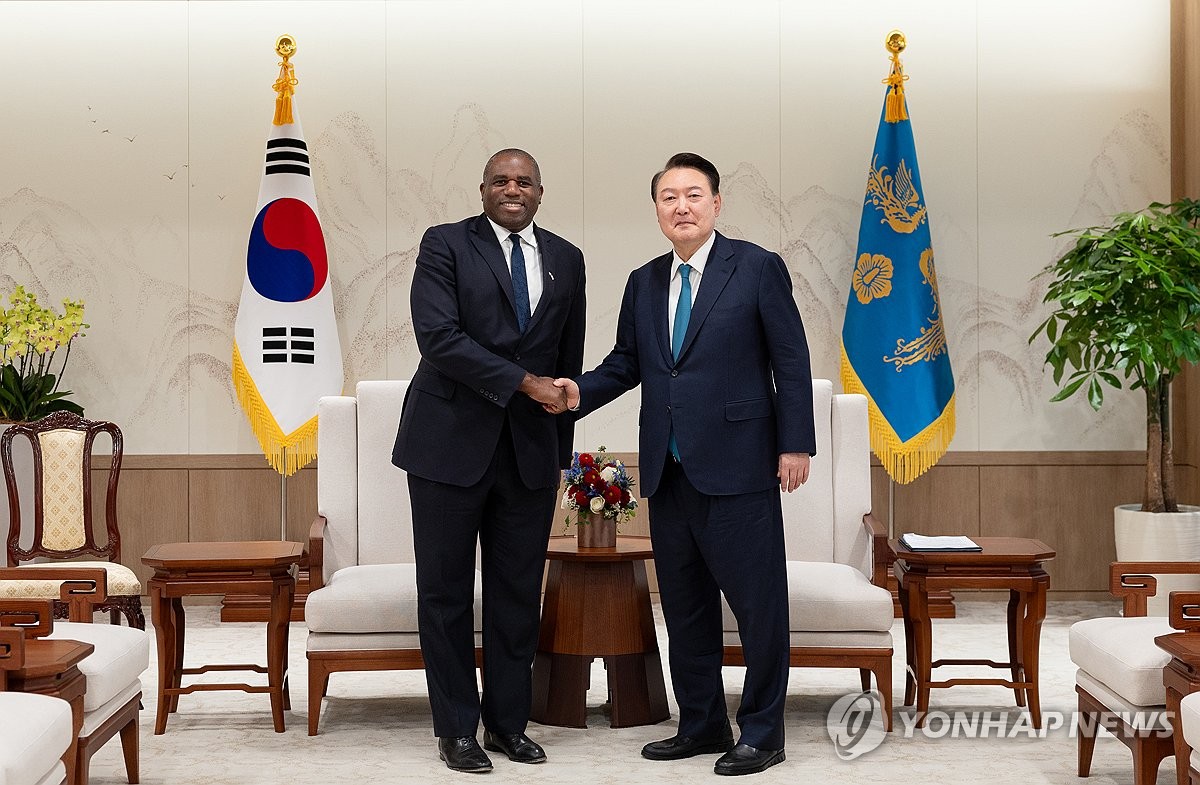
(485, 243)
(549, 271)
(717, 270)
(660, 285)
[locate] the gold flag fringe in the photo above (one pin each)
(894, 109)
(904, 461)
(287, 453)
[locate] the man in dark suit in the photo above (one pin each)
(497, 309)
(712, 334)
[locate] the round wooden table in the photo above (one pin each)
(597, 604)
(185, 568)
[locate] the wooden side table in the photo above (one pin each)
(51, 668)
(1181, 677)
(1012, 563)
(186, 568)
(597, 604)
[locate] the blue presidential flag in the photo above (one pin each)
(893, 340)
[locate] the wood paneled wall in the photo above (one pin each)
(1065, 499)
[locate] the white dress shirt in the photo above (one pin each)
(533, 259)
(697, 262)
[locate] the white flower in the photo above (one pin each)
(597, 504)
(608, 473)
(563, 505)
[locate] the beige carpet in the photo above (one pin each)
(375, 726)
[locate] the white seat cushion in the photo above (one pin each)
(121, 581)
(121, 655)
(1189, 717)
(830, 597)
(372, 598)
(36, 731)
(1120, 653)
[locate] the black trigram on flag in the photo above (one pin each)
(289, 344)
(287, 156)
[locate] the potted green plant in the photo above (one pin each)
(34, 341)
(1126, 300)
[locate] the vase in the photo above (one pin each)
(595, 531)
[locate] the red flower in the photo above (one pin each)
(581, 498)
(612, 494)
(593, 478)
(625, 497)
(586, 459)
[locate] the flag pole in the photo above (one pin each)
(283, 500)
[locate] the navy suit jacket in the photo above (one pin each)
(741, 391)
(473, 357)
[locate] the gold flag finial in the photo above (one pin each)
(894, 109)
(285, 85)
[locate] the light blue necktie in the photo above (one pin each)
(520, 282)
(683, 314)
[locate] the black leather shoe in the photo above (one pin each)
(517, 746)
(678, 747)
(462, 753)
(744, 759)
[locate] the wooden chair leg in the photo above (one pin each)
(129, 748)
(318, 684)
(883, 681)
(864, 675)
(1087, 724)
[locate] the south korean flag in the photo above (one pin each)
(286, 352)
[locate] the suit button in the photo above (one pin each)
(517, 357)
(674, 373)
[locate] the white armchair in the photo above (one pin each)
(362, 608)
(1119, 679)
(837, 554)
(36, 729)
(112, 700)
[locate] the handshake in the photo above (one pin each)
(555, 395)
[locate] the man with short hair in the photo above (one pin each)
(497, 309)
(713, 336)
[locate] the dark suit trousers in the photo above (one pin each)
(705, 545)
(512, 525)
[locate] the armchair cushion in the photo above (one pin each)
(121, 581)
(1120, 653)
(121, 655)
(831, 597)
(36, 730)
(372, 598)
(1189, 717)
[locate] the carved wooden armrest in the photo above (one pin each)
(1132, 581)
(33, 618)
(1185, 611)
(12, 653)
(316, 553)
(881, 554)
(82, 587)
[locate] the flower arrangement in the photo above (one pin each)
(30, 337)
(599, 484)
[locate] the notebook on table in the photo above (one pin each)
(951, 543)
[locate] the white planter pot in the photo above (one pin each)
(1159, 536)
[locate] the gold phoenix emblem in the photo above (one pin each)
(932, 340)
(872, 277)
(896, 196)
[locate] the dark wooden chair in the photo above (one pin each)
(63, 525)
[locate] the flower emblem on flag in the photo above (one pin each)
(872, 277)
